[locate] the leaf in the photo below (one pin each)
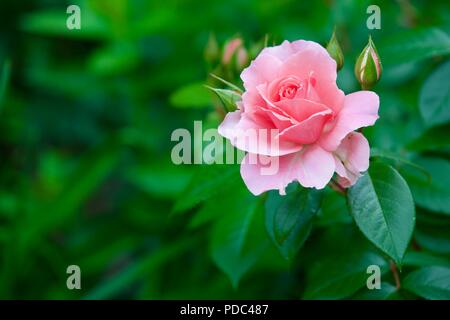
(91, 172)
(208, 211)
(139, 270)
(435, 239)
(289, 218)
(227, 97)
(341, 276)
(53, 23)
(211, 211)
(386, 292)
(434, 101)
(432, 194)
(230, 234)
(429, 282)
(229, 84)
(424, 259)
(376, 153)
(206, 182)
(4, 79)
(193, 95)
(162, 179)
(414, 45)
(383, 209)
(113, 59)
(435, 138)
(333, 210)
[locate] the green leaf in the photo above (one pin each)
(162, 179)
(117, 58)
(341, 276)
(229, 84)
(209, 211)
(430, 283)
(414, 45)
(333, 210)
(424, 259)
(4, 79)
(434, 100)
(383, 209)
(289, 218)
(227, 97)
(435, 239)
(230, 234)
(91, 172)
(207, 181)
(138, 270)
(384, 154)
(53, 23)
(194, 95)
(431, 194)
(386, 292)
(435, 138)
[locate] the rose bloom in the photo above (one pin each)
(291, 88)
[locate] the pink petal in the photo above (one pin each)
(254, 103)
(352, 157)
(262, 90)
(301, 109)
(312, 168)
(263, 69)
(312, 62)
(287, 49)
(280, 121)
(330, 95)
(259, 178)
(254, 134)
(345, 178)
(360, 109)
(316, 167)
(282, 51)
(307, 131)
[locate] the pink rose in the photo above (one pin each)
(291, 88)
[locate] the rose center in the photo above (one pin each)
(291, 88)
(288, 91)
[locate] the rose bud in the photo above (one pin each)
(212, 50)
(335, 51)
(230, 49)
(368, 67)
(241, 59)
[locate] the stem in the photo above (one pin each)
(394, 271)
(337, 187)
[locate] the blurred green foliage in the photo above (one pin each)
(86, 177)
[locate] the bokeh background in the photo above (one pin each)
(85, 171)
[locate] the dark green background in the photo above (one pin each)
(85, 170)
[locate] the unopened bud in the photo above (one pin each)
(230, 49)
(368, 67)
(335, 51)
(241, 59)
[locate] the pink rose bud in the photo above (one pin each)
(368, 67)
(241, 59)
(335, 51)
(230, 49)
(212, 50)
